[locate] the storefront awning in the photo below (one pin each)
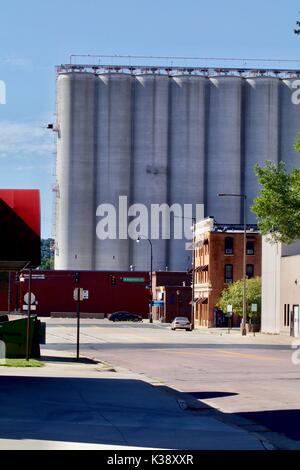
(202, 268)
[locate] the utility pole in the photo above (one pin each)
(244, 197)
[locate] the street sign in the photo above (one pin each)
(254, 308)
(229, 308)
(36, 277)
(86, 295)
(75, 294)
(32, 298)
(32, 307)
(133, 279)
(158, 303)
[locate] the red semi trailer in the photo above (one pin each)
(106, 292)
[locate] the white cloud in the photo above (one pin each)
(16, 62)
(23, 64)
(25, 140)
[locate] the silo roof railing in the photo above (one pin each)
(205, 66)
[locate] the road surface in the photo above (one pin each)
(253, 377)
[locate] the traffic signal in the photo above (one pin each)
(113, 280)
(77, 278)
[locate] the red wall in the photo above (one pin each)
(54, 292)
(20, 228)
(26, 204)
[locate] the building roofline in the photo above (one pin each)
(243, 72)
(210, 225)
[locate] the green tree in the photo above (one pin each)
(297, 144)
(278, 206)
(47, 264)
(47, 254)
(233, 295)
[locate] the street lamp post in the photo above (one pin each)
(151, 274)
(193, 274)
(177, 303)
(244, 197)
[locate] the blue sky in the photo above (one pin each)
(36, 35)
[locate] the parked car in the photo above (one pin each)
(125, 316)
(181, 323)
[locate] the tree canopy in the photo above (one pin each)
(47, 258)
(233, 295)
(278, 206)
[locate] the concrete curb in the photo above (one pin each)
(270, 440)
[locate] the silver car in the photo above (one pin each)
(181, 323)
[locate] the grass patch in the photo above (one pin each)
(21, 363)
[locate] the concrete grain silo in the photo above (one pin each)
(261, 134)
(187, 154)
(113, 163)
(289, 123)
(150, 158)
(223, 174)
(158, 135)
(75, 171)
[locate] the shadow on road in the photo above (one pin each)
(284, 422)
(108, 411)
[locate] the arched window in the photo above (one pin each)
(228, 246)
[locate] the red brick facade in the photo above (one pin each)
(216, 249)
(173, 290)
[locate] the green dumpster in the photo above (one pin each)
(14, 334)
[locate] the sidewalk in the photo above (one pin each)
(73, 405)
(264, 338)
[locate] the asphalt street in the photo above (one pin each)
(69, 404)
(253, 377)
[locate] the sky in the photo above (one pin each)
(36, 36)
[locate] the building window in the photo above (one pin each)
(228, 273)
(250, 271)
(250, 247)
(228, 246)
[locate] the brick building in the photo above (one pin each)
(172, 295)
(219, 262)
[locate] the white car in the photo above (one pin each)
(181, 323)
